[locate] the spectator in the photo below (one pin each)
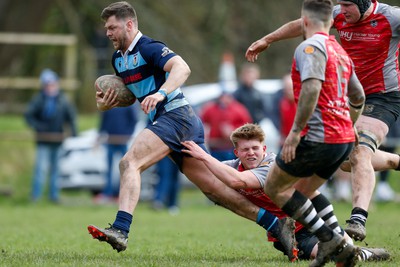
(168, 186)
(116, 129)
(220, 118)
(48, 114)
(248, 95)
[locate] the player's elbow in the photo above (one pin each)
(236, 184)
(186, 70)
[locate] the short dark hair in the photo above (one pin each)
(248, 131)
(320, 9)
(121, 10)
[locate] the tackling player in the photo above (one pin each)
(247, 175)
(369, 31)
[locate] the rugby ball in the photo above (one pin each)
(124, 96)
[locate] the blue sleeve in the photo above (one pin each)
(156, 53)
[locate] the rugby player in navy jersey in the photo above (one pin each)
(154, 74)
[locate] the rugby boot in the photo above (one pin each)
(286, 235)
(356, 230)
(117, 239)
(348, 256)
(377, 254)
(329, 249)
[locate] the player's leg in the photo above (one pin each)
(371, 133)
(216, 190)
(311, 159)
(279, 186)
(381, 161)
(222, 195)
(145, 151)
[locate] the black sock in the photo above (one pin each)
(301, 209)
(359, 215)
(325, 210)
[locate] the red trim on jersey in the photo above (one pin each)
(260, 199)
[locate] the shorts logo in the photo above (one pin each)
(309, 49)
(166, 51)
(368, 108)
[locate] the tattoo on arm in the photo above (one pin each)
(307, 102)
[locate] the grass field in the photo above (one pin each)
(201, 235)
(43, 234)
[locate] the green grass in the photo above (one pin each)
(43, 234)
(201, 235)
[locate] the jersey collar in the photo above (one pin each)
(134, 42)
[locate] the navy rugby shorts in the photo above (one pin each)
(315, 158)
(177, 125)
(306, 241)
(384, 107)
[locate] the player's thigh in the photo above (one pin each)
(200, 175)
(278, 180)
(146, 149)
(309, 186)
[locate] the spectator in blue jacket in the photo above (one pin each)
(49, 114)
(116, 129)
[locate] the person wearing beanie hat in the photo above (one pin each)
(362, 5)
(49, 114)
(48, 76)
(369, 31)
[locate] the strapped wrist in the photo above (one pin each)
(163, 92)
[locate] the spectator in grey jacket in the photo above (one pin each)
(48, 114)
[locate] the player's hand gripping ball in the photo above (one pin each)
(124, 96)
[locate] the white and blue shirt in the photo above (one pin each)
(141, 68)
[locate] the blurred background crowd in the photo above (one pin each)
(52, 54)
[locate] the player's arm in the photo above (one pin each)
(178, 72)
(228, 175)
(356, 97)
(308, 99)
(289, 30)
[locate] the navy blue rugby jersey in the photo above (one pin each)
(141, 68)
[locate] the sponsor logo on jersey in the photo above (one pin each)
(166, 51)
(309, 49)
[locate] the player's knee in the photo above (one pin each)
(367, 139)
(126, 164)
(346, 166)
